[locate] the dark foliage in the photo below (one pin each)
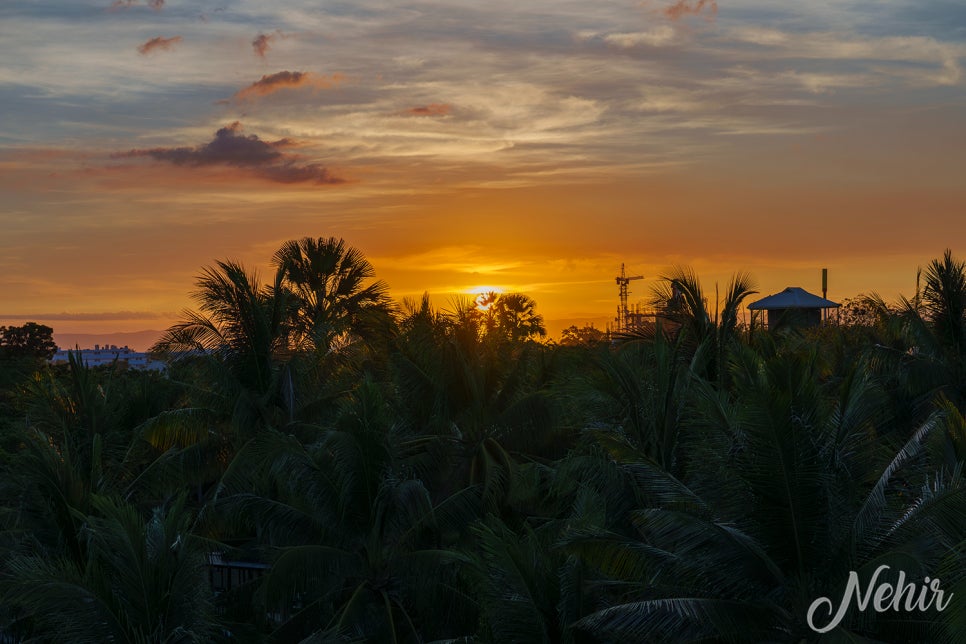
(360, 472)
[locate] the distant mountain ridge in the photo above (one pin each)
(137, 340)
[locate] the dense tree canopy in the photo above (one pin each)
(30, 340)
(319, 465)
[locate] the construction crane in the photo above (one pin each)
(622, 313)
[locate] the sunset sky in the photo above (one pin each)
(527, 146)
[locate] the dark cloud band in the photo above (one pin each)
(231, 148)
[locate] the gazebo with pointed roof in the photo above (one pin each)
(793, 307)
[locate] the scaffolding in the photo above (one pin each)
(626, 319)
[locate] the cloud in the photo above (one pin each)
(271, 83)
(157, 5)
(231, 148)
(663, 35)
(683, 8)
(87, 317)
(291, 172)
(228, 148)
(432, 109)
(903, 57)
(475, 260)
(159, 43)
(260, 44)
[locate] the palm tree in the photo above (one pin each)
(921, 343)
(790, 496)
(944, 301)
(529, 591)
(516, 318)
(639, 390)
(334, 295)
(75, 447)
(138, 581)
(356, 549)
(242, 322)
(479, 404)
(228, 358)
(681, 300)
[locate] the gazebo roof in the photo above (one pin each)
(792, 297)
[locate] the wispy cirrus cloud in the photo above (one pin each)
(657, 37)
(231, 148)
(159, 43)
(271, 83)
(922, 61)
(157, 5)
(473, 259)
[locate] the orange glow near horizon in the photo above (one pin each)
(539, 153)
(579, 295)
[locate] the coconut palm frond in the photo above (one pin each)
(519, 590)
(685, 619)
(869, 524)
(742, 285)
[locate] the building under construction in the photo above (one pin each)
(793, 307)
(630, 319)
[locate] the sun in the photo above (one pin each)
(485, 296)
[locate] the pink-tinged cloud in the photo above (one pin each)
(263, 42)
(260, 44)
(272, 83)
(433, 109)
(683, 8)
(159, 43)
(231, 148)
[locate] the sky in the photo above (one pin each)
(521, 146)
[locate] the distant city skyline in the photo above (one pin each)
(102, 356)
(527, 147)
